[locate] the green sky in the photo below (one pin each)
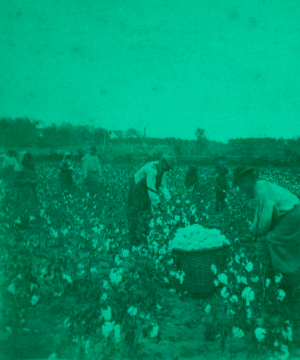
(229, 66)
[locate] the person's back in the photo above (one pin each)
(92, 172)
(66, 173)
(269, 193)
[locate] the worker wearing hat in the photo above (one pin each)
(92, 172)
(146, 188)
(277, 220)
(221, 187)
(191, 177)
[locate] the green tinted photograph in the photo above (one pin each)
(150, 180)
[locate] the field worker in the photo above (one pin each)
(221, 188)
(144, 195)
(66, 173)
(277, 218)
(191, 178)
(8, 165)
(91, 171)
(26, 189)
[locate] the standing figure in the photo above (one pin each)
(66, 173)
(277, 221)
(26, 188)
(221, 188)
(91, 172)
(8, 165)
(191, 178)
(144, 195)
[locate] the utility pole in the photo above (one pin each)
(104, 141)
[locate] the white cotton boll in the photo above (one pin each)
(268, 282)
(224, 293)
(249, 266)
(35, 299)
(67, 277)
(117, 329)
(154, 331)
(223, 279)
(125, 253)
(246, 294)
(249, 313)
(216, 283)
(106, 285)
(152, 224)
(132, 311)
(237, 259)
(107, 328)
(281, 295)
(214, 269)
(237, 332)
(278, 278)
(207, 309)
(285, 352)
(260, 334)
(288, 333)
(238, 279)
(244, 280)
(11, 289)
(234, 299)
(106, 313)
(116, 277)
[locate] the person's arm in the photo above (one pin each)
(164, 188)
(152, 191)
(253, 225)
(266, 210)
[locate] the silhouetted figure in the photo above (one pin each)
(221, 189)
(8, 165)
(66, 173)
(191, 178)
(26, 189)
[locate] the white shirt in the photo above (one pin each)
(9, 162)
(270, 197)
(91, 164)
(149, 171)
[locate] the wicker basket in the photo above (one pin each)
(199, 279)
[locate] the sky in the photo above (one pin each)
(231, 67)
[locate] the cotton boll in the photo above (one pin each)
(223, 278)
(260, 334)
(214, 269)
(237, 332)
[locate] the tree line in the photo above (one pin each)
(27, 133)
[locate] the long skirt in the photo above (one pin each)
(283, 243)
(138, 213)
(26, 202)
(92, 184)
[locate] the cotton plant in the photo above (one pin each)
(250, 299)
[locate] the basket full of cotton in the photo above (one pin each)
(195, 249)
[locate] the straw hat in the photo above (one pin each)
(240, 172)
(170, 160)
